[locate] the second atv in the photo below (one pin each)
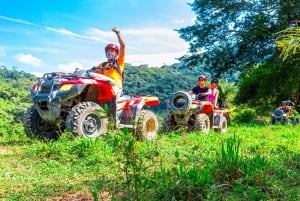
(194, 115)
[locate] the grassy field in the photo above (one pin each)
(249, 162)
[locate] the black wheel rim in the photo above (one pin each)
(91, 124)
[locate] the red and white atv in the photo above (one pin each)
(195, 115)
(77, 102)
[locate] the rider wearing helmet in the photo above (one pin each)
(114, 66)
(201, 90)
(111, 51)
(285, 106)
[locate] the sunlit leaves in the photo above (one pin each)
(289, 42)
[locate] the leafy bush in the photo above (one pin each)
(245, 116)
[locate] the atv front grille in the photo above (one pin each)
(43, 105)
(47, 89)
(278, 113)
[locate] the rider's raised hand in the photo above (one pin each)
(115, 29)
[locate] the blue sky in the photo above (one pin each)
(39, 36)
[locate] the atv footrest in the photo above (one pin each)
(126, 126)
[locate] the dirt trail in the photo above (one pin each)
(8, 150)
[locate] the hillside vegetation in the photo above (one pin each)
(251, 161)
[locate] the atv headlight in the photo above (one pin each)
(66, 87)
(36, 88)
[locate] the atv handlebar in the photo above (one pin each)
(195, 96)
(101, 77)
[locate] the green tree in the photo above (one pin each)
(227, 92)
(269, 83)
(234, 35)
(277, 79)
(14, 95)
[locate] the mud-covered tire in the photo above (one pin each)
(227, 116)
(272, 121)
(169, 124)
(147, 126)
(202, 123)
(180, 101)
(36, 127)
(223, 126)
(87, 119)
(286, 121)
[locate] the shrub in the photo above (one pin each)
(245, 116)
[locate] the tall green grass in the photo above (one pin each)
(249, 162)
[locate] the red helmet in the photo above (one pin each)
(112, 46)
(202, 77)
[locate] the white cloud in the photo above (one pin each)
(153, 60)
(154, 41)
(20, 21)
(28, 59)
(70, 67)
(99, 35)
(178, 21)
(91, 34)
(154, 46)
(65, 32)
(37, 74)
